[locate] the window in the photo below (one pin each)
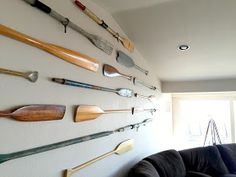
(191, 115)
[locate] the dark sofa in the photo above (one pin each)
(210, 161)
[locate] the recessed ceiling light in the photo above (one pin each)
(183, 47)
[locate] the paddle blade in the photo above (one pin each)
(124, 147)
(73, 57)
(39, 113)
(127, 44)
(110, 71)
(124, 59)
(84, 113)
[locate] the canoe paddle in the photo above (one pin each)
(99, 42)
(128, 62)
(90, 112)
(36, 113)
(70, 56)
(31, 76)
(124, 41)
(119, 91)
(110, 71)
(122, 148)
(36, 150)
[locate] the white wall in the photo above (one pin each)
(16, 136)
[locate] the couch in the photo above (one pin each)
(210, 161)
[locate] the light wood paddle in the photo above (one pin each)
(36, 113)
(119, 150)
(124, 41)
(31, 76)
(90, 112)
(68, 55)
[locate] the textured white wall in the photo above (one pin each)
(16, 136)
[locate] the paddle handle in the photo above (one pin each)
(141, 69)
(5, 114)
(135, 80)
(118, 111)
(97, 19)
(126, 42)
(73, 57)
(71, 171)
(82, 85)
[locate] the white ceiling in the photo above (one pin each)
(158, 27)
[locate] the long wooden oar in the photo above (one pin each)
(125, 92)
(99, 42)
(125, 41)
(14, 155)
(36, 113)
(110, 71)
(31, 76)
(71, 56)
(122, 148)
(90, 112)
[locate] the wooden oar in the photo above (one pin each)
(31, 76)
(71, 56)
(122, 148)
(110, 71)
(36, 113)
(90, 112)
(99, 42)
(125, 41)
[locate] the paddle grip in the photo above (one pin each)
(39, 5)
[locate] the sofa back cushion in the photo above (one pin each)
(143, 169)
(228, 154)
(204, 159)
(168, 164)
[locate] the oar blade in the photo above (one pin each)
(124, 147)
(124, 59)
(87, 112)
(39, 113)
(102, 44)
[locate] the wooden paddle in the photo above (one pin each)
(36, 113)
(119, 150)
(71, 56)
(90, 112)
(31, 76)
(125, 41)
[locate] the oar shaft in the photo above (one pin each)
(57, 145)
(82, 85)
(90, 162)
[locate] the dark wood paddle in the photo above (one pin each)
(36, 113)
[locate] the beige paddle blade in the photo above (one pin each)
(124, 147)
(120, 149)
(85, 112)
(127, 44)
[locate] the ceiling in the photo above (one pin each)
(158, 27)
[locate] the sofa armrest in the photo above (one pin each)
(196, 174)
